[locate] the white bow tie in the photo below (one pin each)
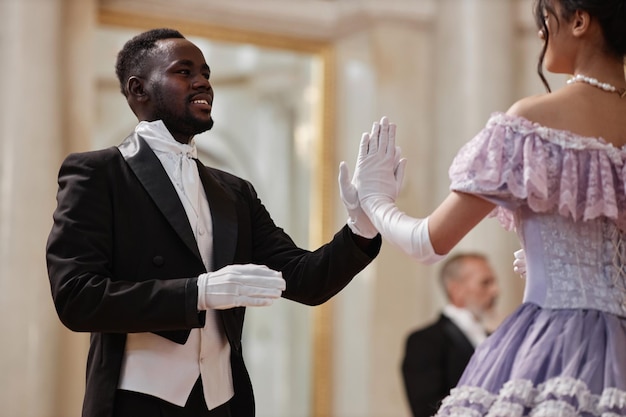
(186, 171)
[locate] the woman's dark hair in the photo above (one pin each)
(611, 15)
(132, 58)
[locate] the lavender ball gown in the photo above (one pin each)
(563, 351)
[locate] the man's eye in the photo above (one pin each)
(184, 71)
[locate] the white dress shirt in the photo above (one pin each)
(468, 324)
(157, 366)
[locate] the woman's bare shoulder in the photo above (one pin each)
(541, 108)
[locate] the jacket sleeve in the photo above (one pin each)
(94, 289)
(312, 277)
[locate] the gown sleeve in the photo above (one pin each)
(514, 162)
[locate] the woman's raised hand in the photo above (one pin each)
(380, 167)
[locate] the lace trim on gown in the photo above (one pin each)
(514, 161)
(557, 397)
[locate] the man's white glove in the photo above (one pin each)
(239, 286)
(358, 221)
(378, 167)
(519, 264)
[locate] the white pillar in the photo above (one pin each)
(34, 131)
(476, 73)
(386, 70)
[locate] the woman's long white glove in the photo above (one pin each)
(239, 286)
(375, 181)
(358, 221)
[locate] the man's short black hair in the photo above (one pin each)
(132, 58)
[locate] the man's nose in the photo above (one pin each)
(200, 82)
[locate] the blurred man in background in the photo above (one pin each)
(436, 355)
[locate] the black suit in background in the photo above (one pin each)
(434, 360)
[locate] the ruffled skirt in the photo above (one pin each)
(545, 362)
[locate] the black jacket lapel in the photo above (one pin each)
(154, 179)
(224, 217)
(457, 336)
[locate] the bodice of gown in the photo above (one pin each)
(564, 195)
(573, 264)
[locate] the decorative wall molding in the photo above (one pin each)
(321, 20)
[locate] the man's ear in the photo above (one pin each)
(580, 23)
(135, 88)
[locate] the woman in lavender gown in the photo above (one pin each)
(553, 169)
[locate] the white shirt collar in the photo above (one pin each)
(160, 139)
(466, 321)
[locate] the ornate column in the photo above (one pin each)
(38, 115)
(476, 61)
(384, 70)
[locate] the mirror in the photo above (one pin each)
(268, 128)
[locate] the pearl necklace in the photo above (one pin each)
(580, 78)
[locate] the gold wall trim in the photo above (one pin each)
(324, 189)
(325, 192)
(220, 33)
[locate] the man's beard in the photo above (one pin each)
(184, 123)
(481, 312)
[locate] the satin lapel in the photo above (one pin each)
(457, 335)
(154, 179)
(224, 217)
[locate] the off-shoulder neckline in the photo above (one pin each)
(521, 121)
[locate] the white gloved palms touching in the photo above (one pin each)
(380, 168)
(358, 221)
(239, 286)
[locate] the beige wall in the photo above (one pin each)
(438, 68)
